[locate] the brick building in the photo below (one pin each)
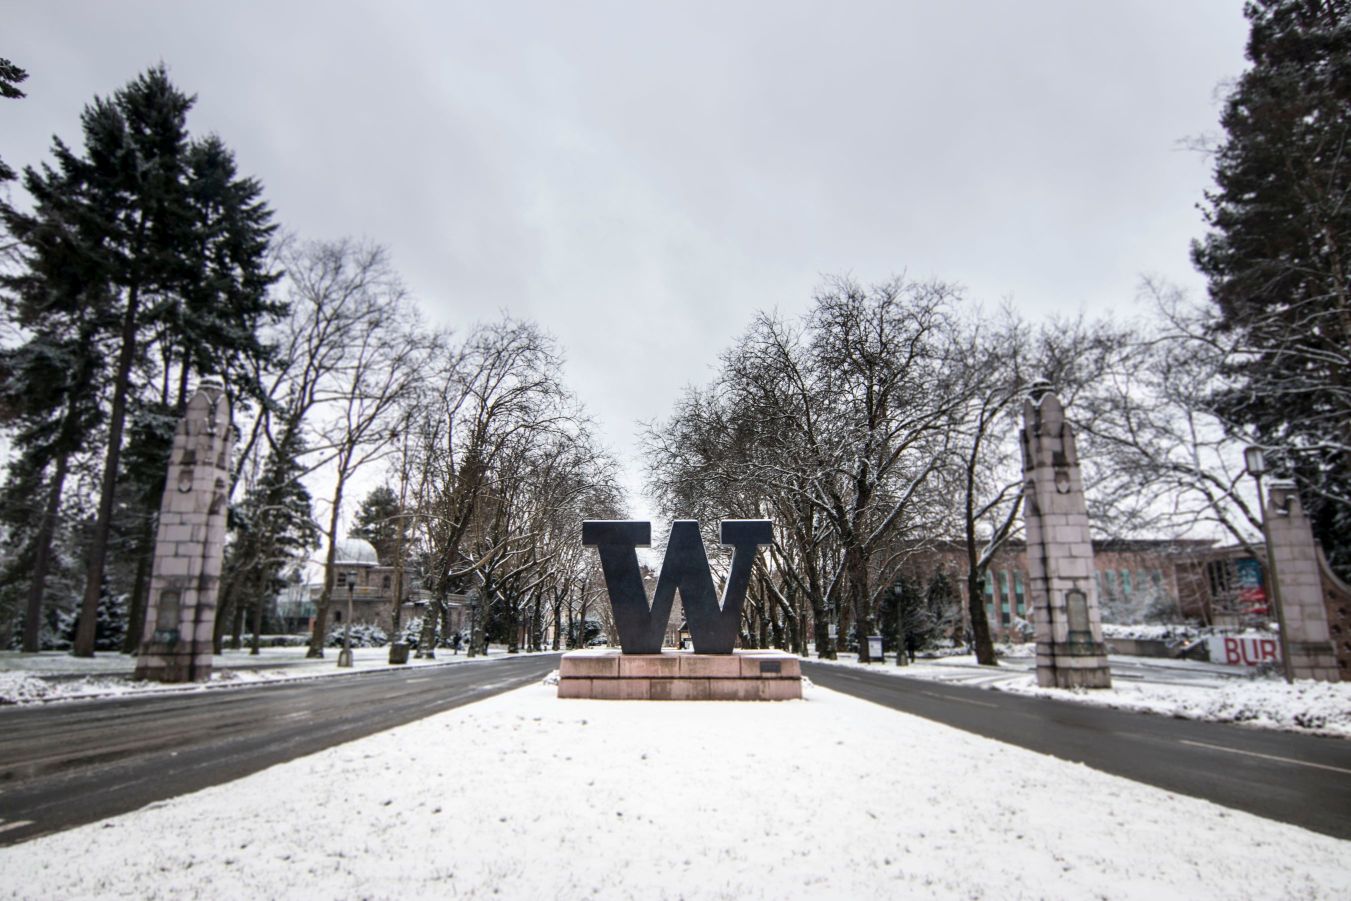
(1136, 581)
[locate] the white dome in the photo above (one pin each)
(355, 552)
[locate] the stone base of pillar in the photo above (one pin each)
(158, 662)
(1314, 660)
(1065, 665)
(680, 676)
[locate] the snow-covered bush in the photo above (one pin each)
(281, 641)
(1143, 632)
(364, 635)
(411, 635)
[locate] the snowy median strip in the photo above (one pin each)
(527, 796)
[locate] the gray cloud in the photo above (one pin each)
(641, 180)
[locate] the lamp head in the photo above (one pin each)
(1254, 461)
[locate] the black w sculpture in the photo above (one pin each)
(713, 626)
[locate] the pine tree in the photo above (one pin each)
(274, 527)
(378, 521)
(1278, 256)
(50, 390)
(10, 78)
(155, 243)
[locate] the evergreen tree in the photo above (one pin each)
(155, 243)
(50, 392)
(10, 78)
(1278, 255)
(378, 521)
(274, 526)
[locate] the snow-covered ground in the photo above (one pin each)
(57, 676)
(527, 796)
(1177, 688)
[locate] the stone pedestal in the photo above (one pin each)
(1070, 649)
(1295, 562)
(190, 544)
(680, 676)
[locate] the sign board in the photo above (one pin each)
(875, 647)
(1244, 650)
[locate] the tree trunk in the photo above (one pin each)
(140, 591)
(825, 646)
(980, 626)
(326, 595)
(255, 640)
(431, 618)
(42, 558)
(396, 617)
(856, 570)
(237, 627)
(224, 609)
(558, 621)
(98, 546)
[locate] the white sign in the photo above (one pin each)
(875, 647)
(1244, 650)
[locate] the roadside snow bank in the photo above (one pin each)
(86, 678)
(1319, 707)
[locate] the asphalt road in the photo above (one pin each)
(63, 765)
(1299, 779)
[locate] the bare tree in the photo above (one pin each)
(1160, 457)
(493, 393)
(840, 424)
(363, 406)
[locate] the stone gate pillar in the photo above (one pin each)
(190, 544)
(1296, 565)
(1070, 649)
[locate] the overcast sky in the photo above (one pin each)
(640, 178)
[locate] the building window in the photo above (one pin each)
(1125, 584)
(1019, 598)
(384, 583)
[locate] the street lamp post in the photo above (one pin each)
(902, 653)
(345, 656)
(1255, 463)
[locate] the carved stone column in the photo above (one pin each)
(1297, 567)
(190, 544)
(1070, 649)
